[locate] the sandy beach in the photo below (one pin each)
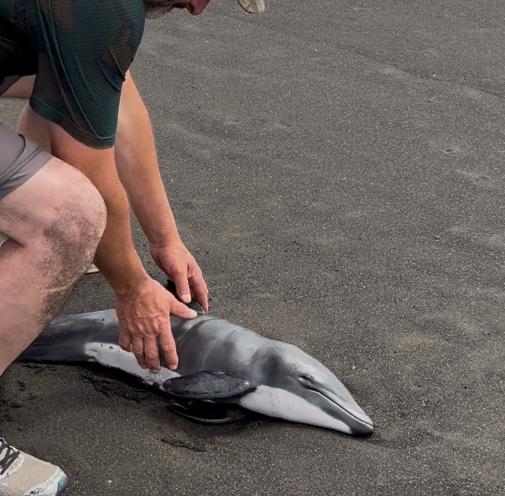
(337, 168)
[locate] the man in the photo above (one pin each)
(84, 156)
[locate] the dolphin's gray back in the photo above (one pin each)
(203, 343)
(216, 344)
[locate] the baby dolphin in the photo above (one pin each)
(223, 369)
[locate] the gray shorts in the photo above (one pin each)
(20, 159)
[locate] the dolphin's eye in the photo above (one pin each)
(306, 378)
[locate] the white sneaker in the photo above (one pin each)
(24, 475)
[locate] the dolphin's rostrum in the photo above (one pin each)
(223, 369)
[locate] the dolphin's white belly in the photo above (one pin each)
(280, 403)
(112, 355)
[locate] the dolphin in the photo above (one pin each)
(224, 370)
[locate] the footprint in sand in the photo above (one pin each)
(447, 147)
(485, 238)
(478, 179)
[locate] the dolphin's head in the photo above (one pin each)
(297, 387)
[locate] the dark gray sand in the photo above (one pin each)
(339, 173)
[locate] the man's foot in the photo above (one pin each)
(24, 475)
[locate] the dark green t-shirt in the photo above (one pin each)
(80, 51)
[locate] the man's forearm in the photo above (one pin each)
(138, 168)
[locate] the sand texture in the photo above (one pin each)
(337, 167)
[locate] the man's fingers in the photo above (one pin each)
(182, 285)
(167, 345)
(200, 290)
(181, 310)
(138, 351)
(152, 354)
(125, 341)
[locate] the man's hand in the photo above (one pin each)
(144, 324)
(180, 266)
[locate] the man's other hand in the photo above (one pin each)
(180, 266)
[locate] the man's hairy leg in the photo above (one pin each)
(54, 221)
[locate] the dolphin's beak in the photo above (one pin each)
(344, 408)
(253, 6)
(357, 420)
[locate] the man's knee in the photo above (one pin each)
(68, 224)
(71, 240)
(77, 226)
(60, 216)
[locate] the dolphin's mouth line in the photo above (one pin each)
(339, 406)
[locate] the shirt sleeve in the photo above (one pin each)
(85, 48)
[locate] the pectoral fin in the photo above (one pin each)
(207, 386)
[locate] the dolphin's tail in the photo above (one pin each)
(65, 339)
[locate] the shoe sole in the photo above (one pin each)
(56, 486)
(62, 484)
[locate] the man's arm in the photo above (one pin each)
(138, 168)
(136, 158)
(137, 163)
(143, 306)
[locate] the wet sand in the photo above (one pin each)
(338, 172)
